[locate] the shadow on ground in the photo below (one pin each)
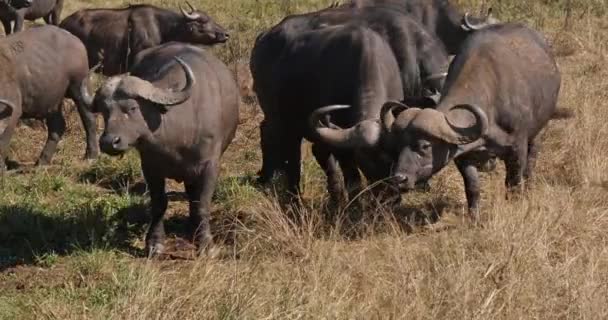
(26, 233)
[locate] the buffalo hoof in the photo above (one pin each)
(91, 156)
(423, 186)
(487, 166)
(154, 249)
(210, 252)
(474, 216)
(42, 162)
(155, 243)
(205, 246)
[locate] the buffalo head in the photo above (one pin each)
(200, 28)
(132, 108)
(15, 4)
(472, 23)
(420, 141)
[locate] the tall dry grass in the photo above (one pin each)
(543, 255)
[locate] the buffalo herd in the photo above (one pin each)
(387, 90)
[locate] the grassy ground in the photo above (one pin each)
(71, 234)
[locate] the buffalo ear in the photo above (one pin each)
(162, 108)
(430, 99)
(389, 112)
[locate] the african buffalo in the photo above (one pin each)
(501, 90)
(341, 64)
(116, 36)
(179, 109)
(19, 10)
(439, 17)
(41, 66)
(421, 60)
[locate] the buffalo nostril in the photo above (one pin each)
(116, 141)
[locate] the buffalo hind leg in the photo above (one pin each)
(533, 149)
(271, 152)
(516, 163)
(470, 175)
(328, 163)
(293, 148)
(88, 120)
(155, 236)
(55, 124)
(19, 18)
(200, 193)
(7, 26)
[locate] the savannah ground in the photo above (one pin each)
(71, 234)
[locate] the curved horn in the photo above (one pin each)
(165, 97)
(8, 113)
(459, 135)
(192, 15)
(9, 104)
(192, 8)
(364, 134)
(467, 25)
(435, 76)
(389, 112)
(85, 95)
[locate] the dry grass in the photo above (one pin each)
(71, 234)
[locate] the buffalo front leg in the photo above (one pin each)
(200, 193)
(470, 175)
(56, 13)
(352, 178)
(88, 120)
(155, 236)
(328, 163)
(19, 18)
(55, 124)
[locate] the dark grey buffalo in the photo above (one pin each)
(42, 65)
(179, 109)
(342, 64)
(421, 60)
(19, 10)
(116, 36)
(501, 90)
(439, 17)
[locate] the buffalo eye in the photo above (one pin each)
(424, 146)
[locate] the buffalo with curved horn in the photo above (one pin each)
(115, 36)
(421, 61)
(33, 84)
(477, 117)
(439, 17)
(179, 109)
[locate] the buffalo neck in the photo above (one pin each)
(448, 27)
(172, 24)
